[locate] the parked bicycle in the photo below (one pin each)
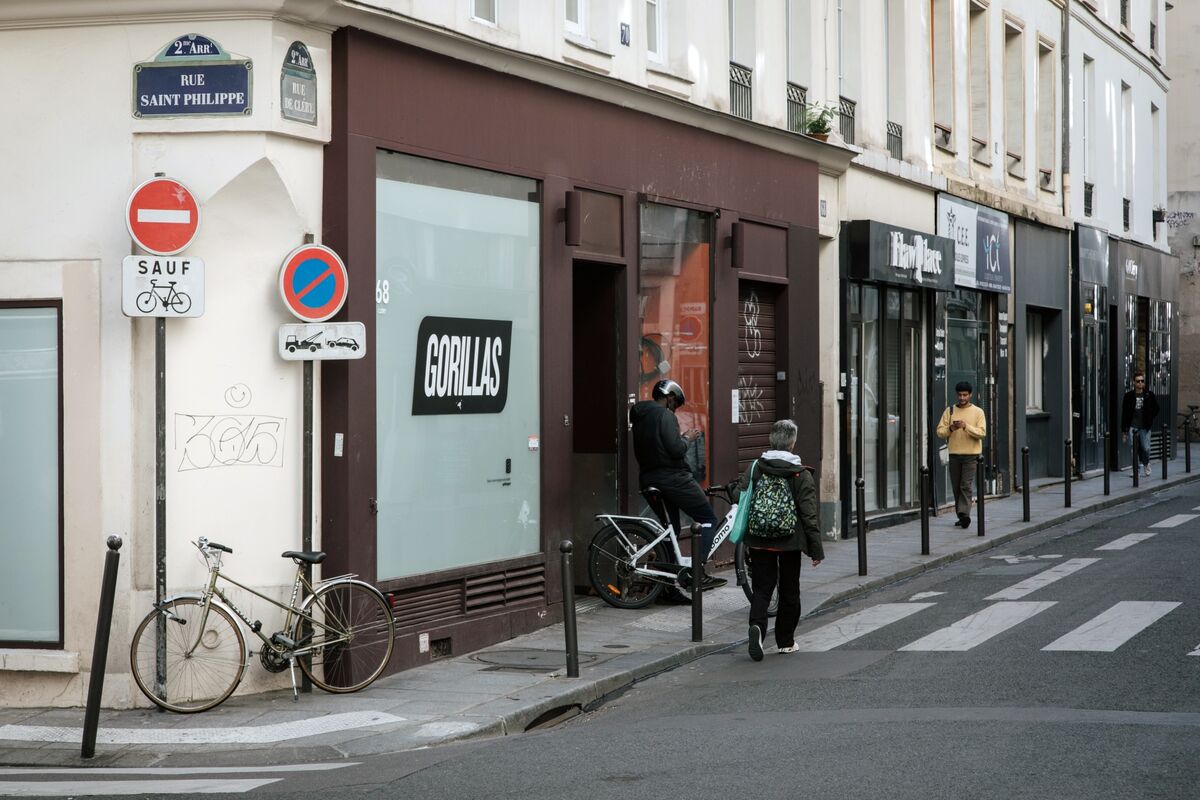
(167, 295)
(341, 633)
(634, 559)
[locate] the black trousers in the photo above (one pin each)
(768, 568)
(680, 491)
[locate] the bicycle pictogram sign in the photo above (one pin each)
(162, 287)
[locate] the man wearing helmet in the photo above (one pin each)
(660, 450)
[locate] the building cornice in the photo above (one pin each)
(1009, 205)
(1105, 32)
(42, 14)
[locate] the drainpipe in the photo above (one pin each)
(1066, 115)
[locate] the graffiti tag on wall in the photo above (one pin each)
(228, 440)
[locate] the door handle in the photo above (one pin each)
(373, 504)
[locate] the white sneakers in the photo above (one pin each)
(794, 648)
(1147, 470)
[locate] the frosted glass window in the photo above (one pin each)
(30, 593)
(457, 365)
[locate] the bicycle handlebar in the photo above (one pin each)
(204, 544)
(724, 491)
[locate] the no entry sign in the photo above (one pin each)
(313, 283)
(162, 216)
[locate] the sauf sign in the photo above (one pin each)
(917, 259)
(462, 366)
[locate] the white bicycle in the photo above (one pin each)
(634, 559)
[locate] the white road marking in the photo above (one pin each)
(1195, 652)
(1043, 578)
(851, 627)
(1129, 540)
(1175, 521)
(1113, 628)
(164, 215)
(260, 734)
(1019, 559)
(925, 595)
(978, 627)
(113, 788)
(172, 770)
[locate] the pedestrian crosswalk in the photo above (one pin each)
(117, 781)
(1042, 579)
(977, 628)
(1113, 628)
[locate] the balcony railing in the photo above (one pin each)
(1125, 13)
(895, 136)
(1089, 193)
(797, 107)
(1153, 37)
(741, 91)
(847, 120)
(1125, 217)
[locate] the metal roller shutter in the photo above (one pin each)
(756, 370)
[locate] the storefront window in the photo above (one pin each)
(673, 304)
(30, 592)
(456, 351)
(872, 408)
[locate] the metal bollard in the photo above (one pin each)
(569, 630)
(1107, 453)
(1066, 473)
(1187, 445)
(979, 483)
(1166, 447)
(861, 496)
(924, 511)
(108, 590)
(1135, 467)
(1028, 487)
(697, 582)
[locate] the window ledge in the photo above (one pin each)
(660, 79)
(659, 68)
(1036, 413)
(1126, 33)
(585, 43)
(20, 660)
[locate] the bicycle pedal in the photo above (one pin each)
(256, 626)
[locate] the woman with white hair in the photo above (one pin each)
(782, 528)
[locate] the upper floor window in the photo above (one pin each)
(484, 11)
(576, 17)
(656, 46)
(1046, 128)
(980, 91)
(1014, 96)
(942, 16)
(1089, 101)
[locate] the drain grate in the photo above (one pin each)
(532, 659)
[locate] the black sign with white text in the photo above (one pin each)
(462, 366)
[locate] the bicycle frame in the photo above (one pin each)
(668, 532)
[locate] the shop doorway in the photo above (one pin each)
(758, 360)
(1093, 378)
(597, 409)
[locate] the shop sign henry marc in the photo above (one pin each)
(981, 252)
(462, 366)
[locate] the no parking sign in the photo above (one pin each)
(313, 282)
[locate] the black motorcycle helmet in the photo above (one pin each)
(667, 387)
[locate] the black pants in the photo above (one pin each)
(680, 491)
(768, 568)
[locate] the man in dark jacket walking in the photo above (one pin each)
(777, 559)
(1139, 408)
(660, 451)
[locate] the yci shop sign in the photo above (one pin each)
(462, 366)
(916, 258)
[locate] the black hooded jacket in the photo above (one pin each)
(657, 443)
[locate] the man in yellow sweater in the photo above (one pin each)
(965, 426)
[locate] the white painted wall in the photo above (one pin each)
(76, 152)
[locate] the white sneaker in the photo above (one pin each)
(1147, 470)
(794, 648)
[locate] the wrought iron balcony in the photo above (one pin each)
(1089, 193)
(847, 120)
(741, 91)
(1127, 204)
(797, 107)
(895, 140)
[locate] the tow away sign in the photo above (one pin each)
(323, 341)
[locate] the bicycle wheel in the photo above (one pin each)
(205, 656)
(145, 302)
(181, 303)
(741, 556)
(612, 571)
(352, 637)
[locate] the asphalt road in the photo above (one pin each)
(1043, 669)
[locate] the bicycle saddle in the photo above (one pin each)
(655, 500)
(310, 557)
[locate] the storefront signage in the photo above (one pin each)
(462, 366)
(916, 258)
(298, 86)
(981, 249)
(899, 256)
(192, 76)
(1093, 255)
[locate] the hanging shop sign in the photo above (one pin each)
(192, 76)
(981, 251)
(298, 86)
(462, 366)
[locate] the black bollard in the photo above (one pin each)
(569, 630)
(108, 590)
(1107, 451)
(1187, 444)
(697, 582)
(861, 492)
(979, 483)
(1027, 488)
(1166, 447)
(1135, 467)
(1067, 473)
(924, 511)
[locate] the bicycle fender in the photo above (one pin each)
(162, 607)
(337, 582)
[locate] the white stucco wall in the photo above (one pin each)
(76, 152)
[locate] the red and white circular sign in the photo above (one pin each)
(162, 216)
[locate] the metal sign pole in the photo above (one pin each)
(160, 507)
(307, 502)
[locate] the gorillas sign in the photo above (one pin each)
(462, 366)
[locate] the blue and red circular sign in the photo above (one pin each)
(313, 283)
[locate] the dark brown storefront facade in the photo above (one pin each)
(528, 261)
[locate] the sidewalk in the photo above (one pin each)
(521, 683)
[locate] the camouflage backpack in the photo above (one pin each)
(773, 508)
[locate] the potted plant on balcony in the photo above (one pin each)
(818, 120)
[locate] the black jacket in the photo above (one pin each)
(657, 444)
(1149, 410)
(807, 537)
